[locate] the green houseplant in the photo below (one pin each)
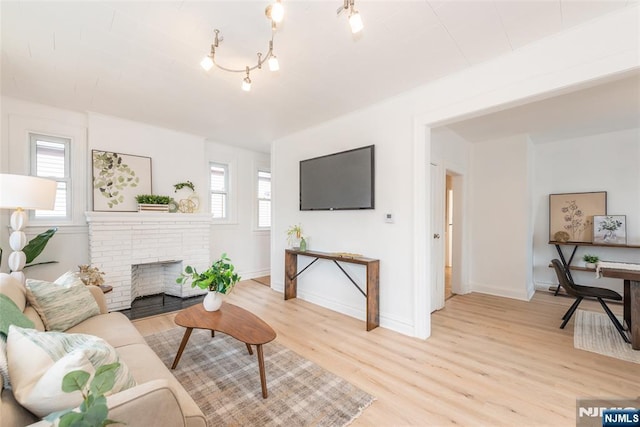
(590, 260)
(93, 411)
(153, 202)
(152, 199)
(218, 279)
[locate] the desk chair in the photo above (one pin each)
(580, 292)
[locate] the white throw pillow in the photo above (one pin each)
(68, 279)
(38, 361)
(4, 366)
(59, 306)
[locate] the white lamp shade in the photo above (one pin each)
(27, 192)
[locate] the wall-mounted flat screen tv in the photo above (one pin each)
(344, 180)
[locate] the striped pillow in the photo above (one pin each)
(61, 307)
(38, 361)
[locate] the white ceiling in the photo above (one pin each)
(607, 107)
(140, 60)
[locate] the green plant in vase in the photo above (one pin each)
(590, 260)
(295, 238)
(218, 279)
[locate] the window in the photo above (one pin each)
(50, 159)
(264, 199)
(219, 190)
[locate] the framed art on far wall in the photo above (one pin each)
(610, 229)
(117, 179)
(571, 215)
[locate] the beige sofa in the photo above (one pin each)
(158, 399)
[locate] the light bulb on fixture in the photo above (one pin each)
(206, 63)
(355, 21)
(275, 12)
(246, 83)
(274, 65)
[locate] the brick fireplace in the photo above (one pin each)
(143, 253)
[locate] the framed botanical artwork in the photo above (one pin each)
(117, 179)
(571, 215)
(610, 229)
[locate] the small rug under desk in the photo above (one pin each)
(594, 332)
(224, 380)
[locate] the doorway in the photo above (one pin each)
(448, 237)
(447, 204)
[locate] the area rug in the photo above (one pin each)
(594, 332)
(224, 381)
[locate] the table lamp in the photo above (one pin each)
(22, 192)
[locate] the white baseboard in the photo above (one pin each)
(248, 275)
(398, 325)
(501, 292)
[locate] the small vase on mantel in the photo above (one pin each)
(212, 301)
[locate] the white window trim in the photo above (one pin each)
(33, 138)
(20, 127)
(256, 199)
(231, 191)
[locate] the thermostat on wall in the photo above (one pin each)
(388, 218)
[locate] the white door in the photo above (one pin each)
(437, 237)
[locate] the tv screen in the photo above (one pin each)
(342, 180)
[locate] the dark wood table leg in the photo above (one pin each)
(373, 295)
(263, 377)
(627, 305)
(249, 348)
(213, 333)
(634, 327)
(183, 344)
(290, 270)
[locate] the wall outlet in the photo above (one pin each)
(388, 218)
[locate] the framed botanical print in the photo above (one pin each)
(117, 179)
(610, 229)
(571, 215)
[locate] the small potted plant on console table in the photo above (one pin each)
(590, 260)
(218, 279)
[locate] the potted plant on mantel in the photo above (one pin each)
(153, 203)
(218, 279)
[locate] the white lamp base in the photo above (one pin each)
(17, 241)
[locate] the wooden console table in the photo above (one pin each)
(567, 263)
(631, 279)
(372, 266)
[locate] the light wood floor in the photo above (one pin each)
(490, 361)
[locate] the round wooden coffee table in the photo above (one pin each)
(233, 321)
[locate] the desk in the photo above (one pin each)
(373, 278)
(567, 264)
(631, 300)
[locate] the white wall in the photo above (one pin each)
(176, 157)
(499, 219)
(605, 162)
(399, 127)
(240, 237)
(363, 232)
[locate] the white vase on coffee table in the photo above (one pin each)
(212, 301)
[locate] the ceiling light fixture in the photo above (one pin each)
(246, 83)
(275, 13)
(355, 20)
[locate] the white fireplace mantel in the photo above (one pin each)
(121, 241)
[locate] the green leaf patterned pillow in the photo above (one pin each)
(38, 361)
(61, 307)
